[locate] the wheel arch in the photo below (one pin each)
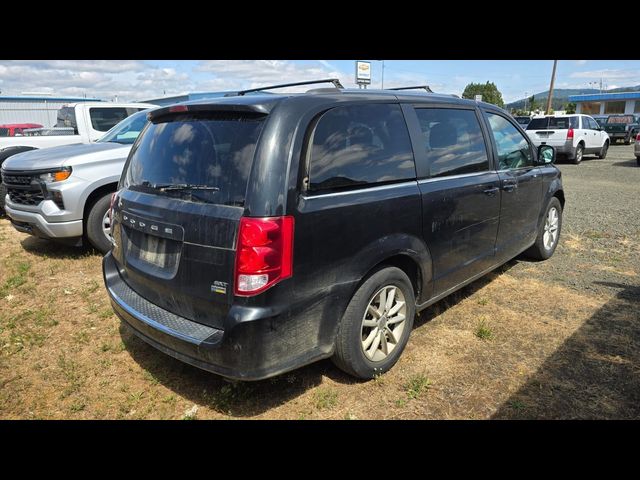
(93, 197)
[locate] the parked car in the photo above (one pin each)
(622, 127)
(254, 235)
(600, 119)
(523, 121)
(16, 129)
(636, 149)
(62, 193)
(80, 123)
(571, 135)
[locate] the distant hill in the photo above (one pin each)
(561, 96)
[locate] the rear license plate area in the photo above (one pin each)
(151, 254)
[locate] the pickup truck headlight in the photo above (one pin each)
(57, 175)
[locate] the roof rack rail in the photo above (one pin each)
(335, 81)
(417, 87)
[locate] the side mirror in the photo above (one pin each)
(546, 154)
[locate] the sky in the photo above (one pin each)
(135, 80)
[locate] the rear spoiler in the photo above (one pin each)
(256, 110)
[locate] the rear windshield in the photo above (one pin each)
(623, 119)
(213, 150)
(549, 123)
(67, 118)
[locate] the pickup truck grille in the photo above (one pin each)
(22, 190)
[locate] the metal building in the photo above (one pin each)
(607, 103)
(35, 109)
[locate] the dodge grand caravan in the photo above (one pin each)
(256, 234)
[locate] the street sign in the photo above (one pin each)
(478, 98)
(363, 73)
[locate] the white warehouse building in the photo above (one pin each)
(35, 109)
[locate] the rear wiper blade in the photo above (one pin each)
(183, 186)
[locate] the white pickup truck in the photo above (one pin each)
(86, 121)
(63, 193)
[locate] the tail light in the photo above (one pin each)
(264, 253)
(570, 134)
(638, 138)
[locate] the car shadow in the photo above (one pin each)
(246, 399)
(595, 374)
(52, 249)
(455, 298)
(628, 163)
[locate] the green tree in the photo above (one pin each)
(571, 108)
(489, 92)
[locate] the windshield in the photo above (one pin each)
(127, 130)
(205, 157)
(622, 119)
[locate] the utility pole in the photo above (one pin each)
(553, 79)
(382, 74)
(525, 101)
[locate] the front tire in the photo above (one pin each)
(549, 233)
(577, 158)
(604, 150)
(376, 325)
(98, 224)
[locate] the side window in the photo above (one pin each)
(574, 122)
(453, 141)
(593, 125)
(360, 145)
(103, 119)
(513, 149)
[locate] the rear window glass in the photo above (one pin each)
(551, 123)
(623, 119)
(360, 145)
(67, 118)
(213, 150)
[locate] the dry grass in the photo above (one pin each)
(527, 341)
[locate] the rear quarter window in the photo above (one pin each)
(359, 145)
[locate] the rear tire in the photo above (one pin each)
(603, 151)
(577, 158)
(96, 223)
(543, 248)
(360, 351)
(638, 161)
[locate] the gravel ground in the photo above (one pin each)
(599, 243)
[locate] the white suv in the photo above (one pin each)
(571, 135)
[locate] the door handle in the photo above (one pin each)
(490, 191)
(509, 187)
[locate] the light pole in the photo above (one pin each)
(382, 87)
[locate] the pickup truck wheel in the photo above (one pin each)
(549, 233)
(376, 325)
(98, 224)
(603, 150)
(579, 153)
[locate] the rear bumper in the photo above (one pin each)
(35, 224)
(260, 344)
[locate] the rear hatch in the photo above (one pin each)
(551, 130)
(176, 217)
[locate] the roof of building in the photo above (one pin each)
(594, 97)
(43, 98)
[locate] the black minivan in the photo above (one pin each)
(256, 234)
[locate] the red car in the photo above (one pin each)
(13, 129)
